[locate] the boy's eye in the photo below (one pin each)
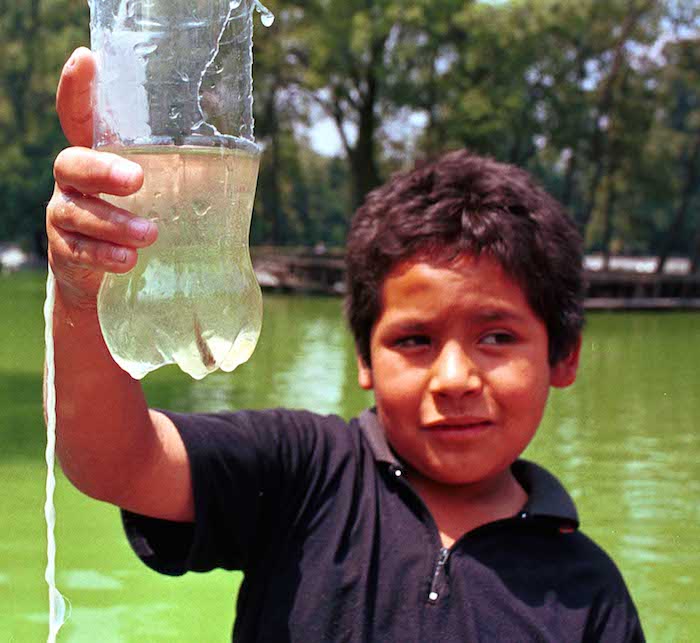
(499, 338)
(412, 341)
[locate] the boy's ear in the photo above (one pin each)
(364, 375)
(563, 373)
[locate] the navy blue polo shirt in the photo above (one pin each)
(336, 546)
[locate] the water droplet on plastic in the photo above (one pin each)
(153, 215)
(144, 48)
(184, 77)
(174, 113)
(266, 16)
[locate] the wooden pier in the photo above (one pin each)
(639, 291)
(324, 274)
(300, 272)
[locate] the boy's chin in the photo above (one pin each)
(463, 476)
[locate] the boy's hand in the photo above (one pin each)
(88, 236)
(116, 450)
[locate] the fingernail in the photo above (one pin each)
(139, 228)
(119, 254)
(125, 171)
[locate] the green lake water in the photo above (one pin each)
(624, 439)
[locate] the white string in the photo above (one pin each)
(57, 604)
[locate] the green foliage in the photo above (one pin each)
(600, 100)
(35, 38)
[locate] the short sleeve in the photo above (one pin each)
(614, 617)
(253, 474)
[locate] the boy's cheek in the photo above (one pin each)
(520, 376)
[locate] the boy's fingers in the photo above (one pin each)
(74, 97)
(96, 219)
(90, 172)
(73, 253)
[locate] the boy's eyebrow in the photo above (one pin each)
(489, 315)
(409, 325)
(498, 314)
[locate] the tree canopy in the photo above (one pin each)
(600, 100)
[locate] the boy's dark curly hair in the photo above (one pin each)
(464, 203)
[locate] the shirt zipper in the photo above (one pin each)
(444, 552)
(433, 595)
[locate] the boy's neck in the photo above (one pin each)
(458, 509)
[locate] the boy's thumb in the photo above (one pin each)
(74, 97)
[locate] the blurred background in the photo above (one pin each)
(599, 99)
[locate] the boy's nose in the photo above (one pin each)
(454, 373)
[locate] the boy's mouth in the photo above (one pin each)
(459, 424)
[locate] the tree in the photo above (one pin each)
(36, 37)
(682, 87)
(302, 197)
(636, 17)
(341, 56)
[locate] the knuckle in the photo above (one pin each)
(64, 211)
(109, 254)
(58, 260)
(99, 169)
(53, 243)
(57, 256)
(64, 163)
(54, 259)
(114, 217)
(63, 157)
(58, 164)
(55, 194)
(58, 206)
(51, 209)
(75, 245)
(109, 223)
(78, 249)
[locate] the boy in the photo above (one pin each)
(415, 521)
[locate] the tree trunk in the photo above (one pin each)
(584, 216)
(695, 259)
(272, 194)
(363, 165)
(433, 140)
(608, 213)
(363, 160)
(690, 187)
(567, 194)
(604, 110)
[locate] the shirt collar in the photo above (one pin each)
(375, 436)
(547, 498)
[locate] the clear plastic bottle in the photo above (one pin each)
(174, 94)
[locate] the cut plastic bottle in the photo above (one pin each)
(174, 94)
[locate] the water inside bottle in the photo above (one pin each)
(192, 298)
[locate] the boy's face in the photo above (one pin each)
(460, 368)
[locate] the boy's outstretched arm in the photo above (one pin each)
(108, 442)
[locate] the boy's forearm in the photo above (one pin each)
(104, 432)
